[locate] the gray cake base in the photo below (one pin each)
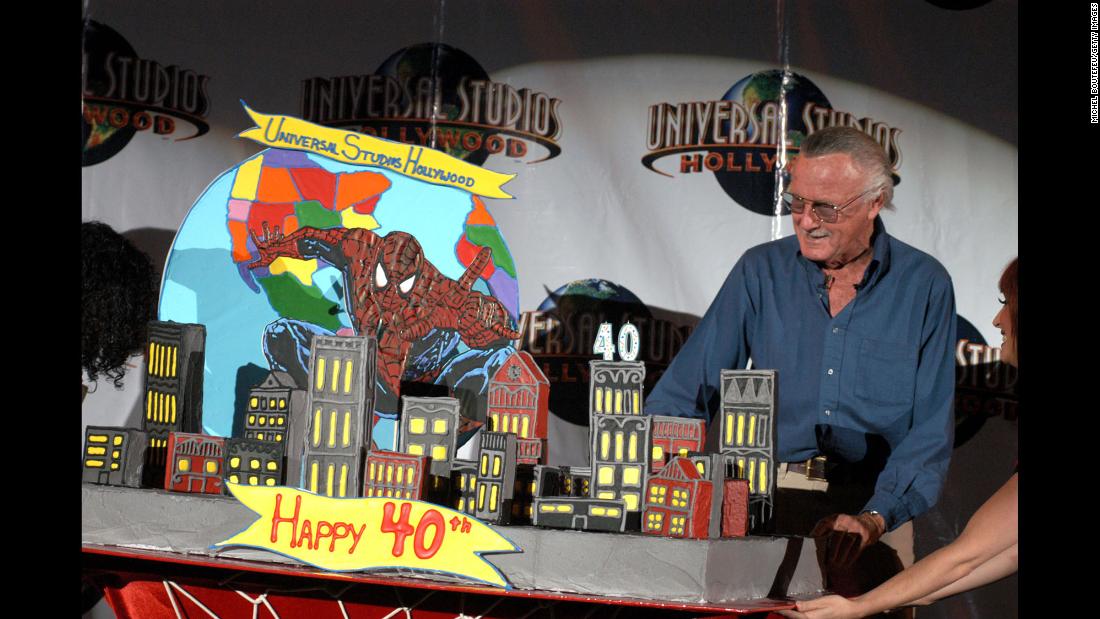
(620, 565)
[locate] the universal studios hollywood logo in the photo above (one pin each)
(438, 96)
(736, 138)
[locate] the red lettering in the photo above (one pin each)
(448, 138)
(713, 161)
(690, 163)
(400, 526)
(118, 117)
(95, 114)
(278, 519)
(516, 148)
(471, 140)
(430, 519)
(142, 121)
(494, 143)
(164, 125)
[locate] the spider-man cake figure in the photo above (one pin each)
(396, 295)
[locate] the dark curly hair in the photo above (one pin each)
(117, 300)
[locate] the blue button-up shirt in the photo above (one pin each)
(883, 368)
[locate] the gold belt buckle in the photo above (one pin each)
(815, 468)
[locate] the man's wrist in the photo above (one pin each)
(877, 518)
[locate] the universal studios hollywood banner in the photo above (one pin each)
(644, 166)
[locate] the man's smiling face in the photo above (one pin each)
(833, 179)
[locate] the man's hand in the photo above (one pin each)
(846, 536)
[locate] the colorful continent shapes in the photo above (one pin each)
(287, 190)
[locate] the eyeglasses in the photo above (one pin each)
(822, 210)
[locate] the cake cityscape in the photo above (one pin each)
(663, 476)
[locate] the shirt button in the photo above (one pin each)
(836, 330)
(830, 371)
(828, 412)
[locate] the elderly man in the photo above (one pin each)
(861, 329)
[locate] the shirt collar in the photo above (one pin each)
(880, 258)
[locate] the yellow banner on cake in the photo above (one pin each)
(347, 535)
(417, 162)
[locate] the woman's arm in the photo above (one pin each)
(996, 568)
(991, 533)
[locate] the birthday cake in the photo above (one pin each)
(366, 313)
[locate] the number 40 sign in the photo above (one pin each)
(628, 342)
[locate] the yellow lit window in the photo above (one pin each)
(416, 449)
(330, 472)
(751, 476)
(439, 452)
(282, 403)
(313, 477)
(632, 476)
(253, 464)
(701, 468)
(116, 454)
(399, 478)
(259, 436)
(381, 473)
(95, 464)
(632, 448)
(389, 473)
(565, 508)
(740, 429)
(618, 447)
(496, 422)
(212, 467)
(729, 430)
(253, 480)
(97, 438)
(605, 443)
(484, 465)
(763, 486)
(605, 476)
(607, 400)
(658, 453)
(251, 420)
(317, 427)
(599, 399)
(184, 464)
(439, 426)
(332, 428)
(233, 478)
(97, 451)
(598, 511)
(271, 466)
(278, 438)
(389, 491)
(345, 436)
(335, 375)
(545, 509)
(417, 425)
(481, 496)
(347, 376)
(752, 430)
(320, 373)
(271, 419)
(525, 428)
(493, 498)
(631, 500)
(271, 403)
(461, 483)
(515, 424)
(409, 473)
(605, 494)
(343, 480)
(263, 420)
(618, 400)
(531, 489)
(496, 466)
(370, 475)
(613, 512)
(637, 409)
(270, 481)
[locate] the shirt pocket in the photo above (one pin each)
(887, 373)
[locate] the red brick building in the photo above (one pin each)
(519, 397)
(678, 502)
